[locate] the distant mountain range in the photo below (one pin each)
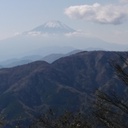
(52, 37)
(27, 59)
(68, 83)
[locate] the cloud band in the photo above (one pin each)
(104, 14)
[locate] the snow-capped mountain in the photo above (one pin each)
(52, 27)
(51, 37)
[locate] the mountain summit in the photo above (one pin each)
(52, 27)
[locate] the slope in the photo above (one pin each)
(67, 84)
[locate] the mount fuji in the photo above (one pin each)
(51, 27)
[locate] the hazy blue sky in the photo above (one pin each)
(107, 19)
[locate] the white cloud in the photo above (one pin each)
(17, 34)
(104, 14)
(34, 33)
(78, 33)
(124, 1)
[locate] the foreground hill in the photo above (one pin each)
(68, 83)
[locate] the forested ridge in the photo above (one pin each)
(87, 89)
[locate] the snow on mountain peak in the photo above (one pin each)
(53, 27)
(53, 24)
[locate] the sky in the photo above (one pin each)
(105, 19)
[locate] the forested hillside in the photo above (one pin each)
(68, 84)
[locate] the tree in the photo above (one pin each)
(110, 110)
(66, 120)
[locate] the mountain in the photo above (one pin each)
(55, 27)
(28, 59)
(68, 83)
(14, 62)
(53, 57)
(52, 37)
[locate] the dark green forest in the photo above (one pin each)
(85, 90)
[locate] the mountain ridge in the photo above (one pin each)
(67, 83)
(28, 59)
